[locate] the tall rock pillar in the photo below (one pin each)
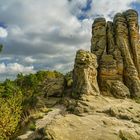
(98, 40)
(133, 28)
(122, 36)
(85, 74)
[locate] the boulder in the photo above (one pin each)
(54, 86)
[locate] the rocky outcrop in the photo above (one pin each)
(109, 79)
(41, 123)
(123, 35)
(116, 70)
(85, 74)
(112, 119)
(116, 45)
(54, 86)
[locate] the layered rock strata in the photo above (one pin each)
(133, 28)
(98, 40)
(116, 45)
(119, 60)
(123, 38)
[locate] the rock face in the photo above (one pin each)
(112, 119)
(54, 86)
(85, 74)
(132, 22)
(123, 35)
(116, 45)
(98, 41)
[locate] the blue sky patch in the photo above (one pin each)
(87, 7)
(136, 6)
(3, 25)
(84, 10)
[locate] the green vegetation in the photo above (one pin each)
(32, 86)
(19, 98)
(10, 109)
(1, 47)
(74, 95)
(37, 115)
(32, 126)
(137, 100)
(69, 80)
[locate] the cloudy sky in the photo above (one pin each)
(45, 34)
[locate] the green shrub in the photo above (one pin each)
(32, 126)
(18, 98)
(69, 80)
(75, 95)
(10, 114)
(37, 115)
(10, 108)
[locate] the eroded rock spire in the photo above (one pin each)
(85, 74)
(116, 45)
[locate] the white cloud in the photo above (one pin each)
(29, 59)
(5, 58)
(108, 8)
(47, 33)
(15, 68)
(76, 6)
(3, 32)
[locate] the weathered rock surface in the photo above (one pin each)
(110, 80)
(130, 73)
(116, 45)
(111, 119)
(54, 86)
(42, 123)
(85, 74)
(132, 22)
(99, 38)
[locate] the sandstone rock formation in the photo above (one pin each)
(98, 41)
(122, 37)
(85, 74)
(54, 86)
(112, 68)
(116, 45)
(112, 119)
(132, 22)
